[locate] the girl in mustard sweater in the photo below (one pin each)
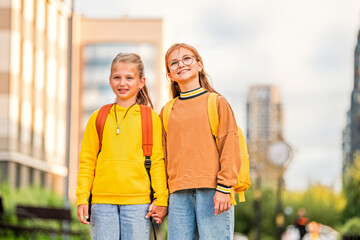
(200, 175)
(117, 177)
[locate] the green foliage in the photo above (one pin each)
(351, 227)
(34, 195)
(244, 213)
(322, 204)
(268, 210)
(245, 220)
(38, 197)
(351, 186)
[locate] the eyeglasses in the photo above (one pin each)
(187, 60)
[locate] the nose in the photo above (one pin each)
(182, 63)
(121, 82)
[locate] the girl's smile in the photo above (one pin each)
(186, 75)
(183, 71)
(123, 91)
(126, 83)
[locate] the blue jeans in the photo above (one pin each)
(191, 215)
(109, 222)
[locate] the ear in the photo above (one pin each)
(169, 75)
(142, 83)
(200, 66)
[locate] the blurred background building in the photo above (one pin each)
(264, 126)
(351, 133)
(33, 69)
(33, 81)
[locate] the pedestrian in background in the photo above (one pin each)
(301, 222)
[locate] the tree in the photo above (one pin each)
(322, 205)
(351, 186)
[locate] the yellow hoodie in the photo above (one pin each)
(118, 175)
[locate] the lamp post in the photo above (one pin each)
(257, 152)
(66, 226)
(257, 208)
(68, 105)
(279, 154)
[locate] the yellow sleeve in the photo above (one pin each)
(157, 170)
(88, 156)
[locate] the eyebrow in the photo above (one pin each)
(186, 55)
(126, 74)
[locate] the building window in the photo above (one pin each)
(31, 176)
(4, 171)
(42, 179)
(52, 23)
(18, 175)
(40, 15)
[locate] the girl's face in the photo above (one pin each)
(126, 83)
(183, 66)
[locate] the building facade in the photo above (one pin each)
(264, 114)
(33, 80)
(34, 71)
(264, 126)
(351, 133)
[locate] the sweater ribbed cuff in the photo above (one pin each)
(223, 188)
(161, 200)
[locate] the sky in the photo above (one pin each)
(305, 48)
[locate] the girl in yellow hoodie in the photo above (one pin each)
(116, 176)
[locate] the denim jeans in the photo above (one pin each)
(109, 222)
(191, 215)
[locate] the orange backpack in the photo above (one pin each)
(147, 137)
(147, 132)
(146, 124)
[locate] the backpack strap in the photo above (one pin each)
(244, 170)
(147, 136)
(100, 121)
(166, 112)
(214, 125)
(147, 140)
(147, 144)
(146, 125)
(147, 130)
(213, 115)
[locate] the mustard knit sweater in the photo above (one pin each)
(192, 157)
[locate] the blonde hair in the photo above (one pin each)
(142, 97)
(203, 78)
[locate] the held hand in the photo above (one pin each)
(82, 213)
(160, 213)
(151, 207)
(156, 212)
(221, 202)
